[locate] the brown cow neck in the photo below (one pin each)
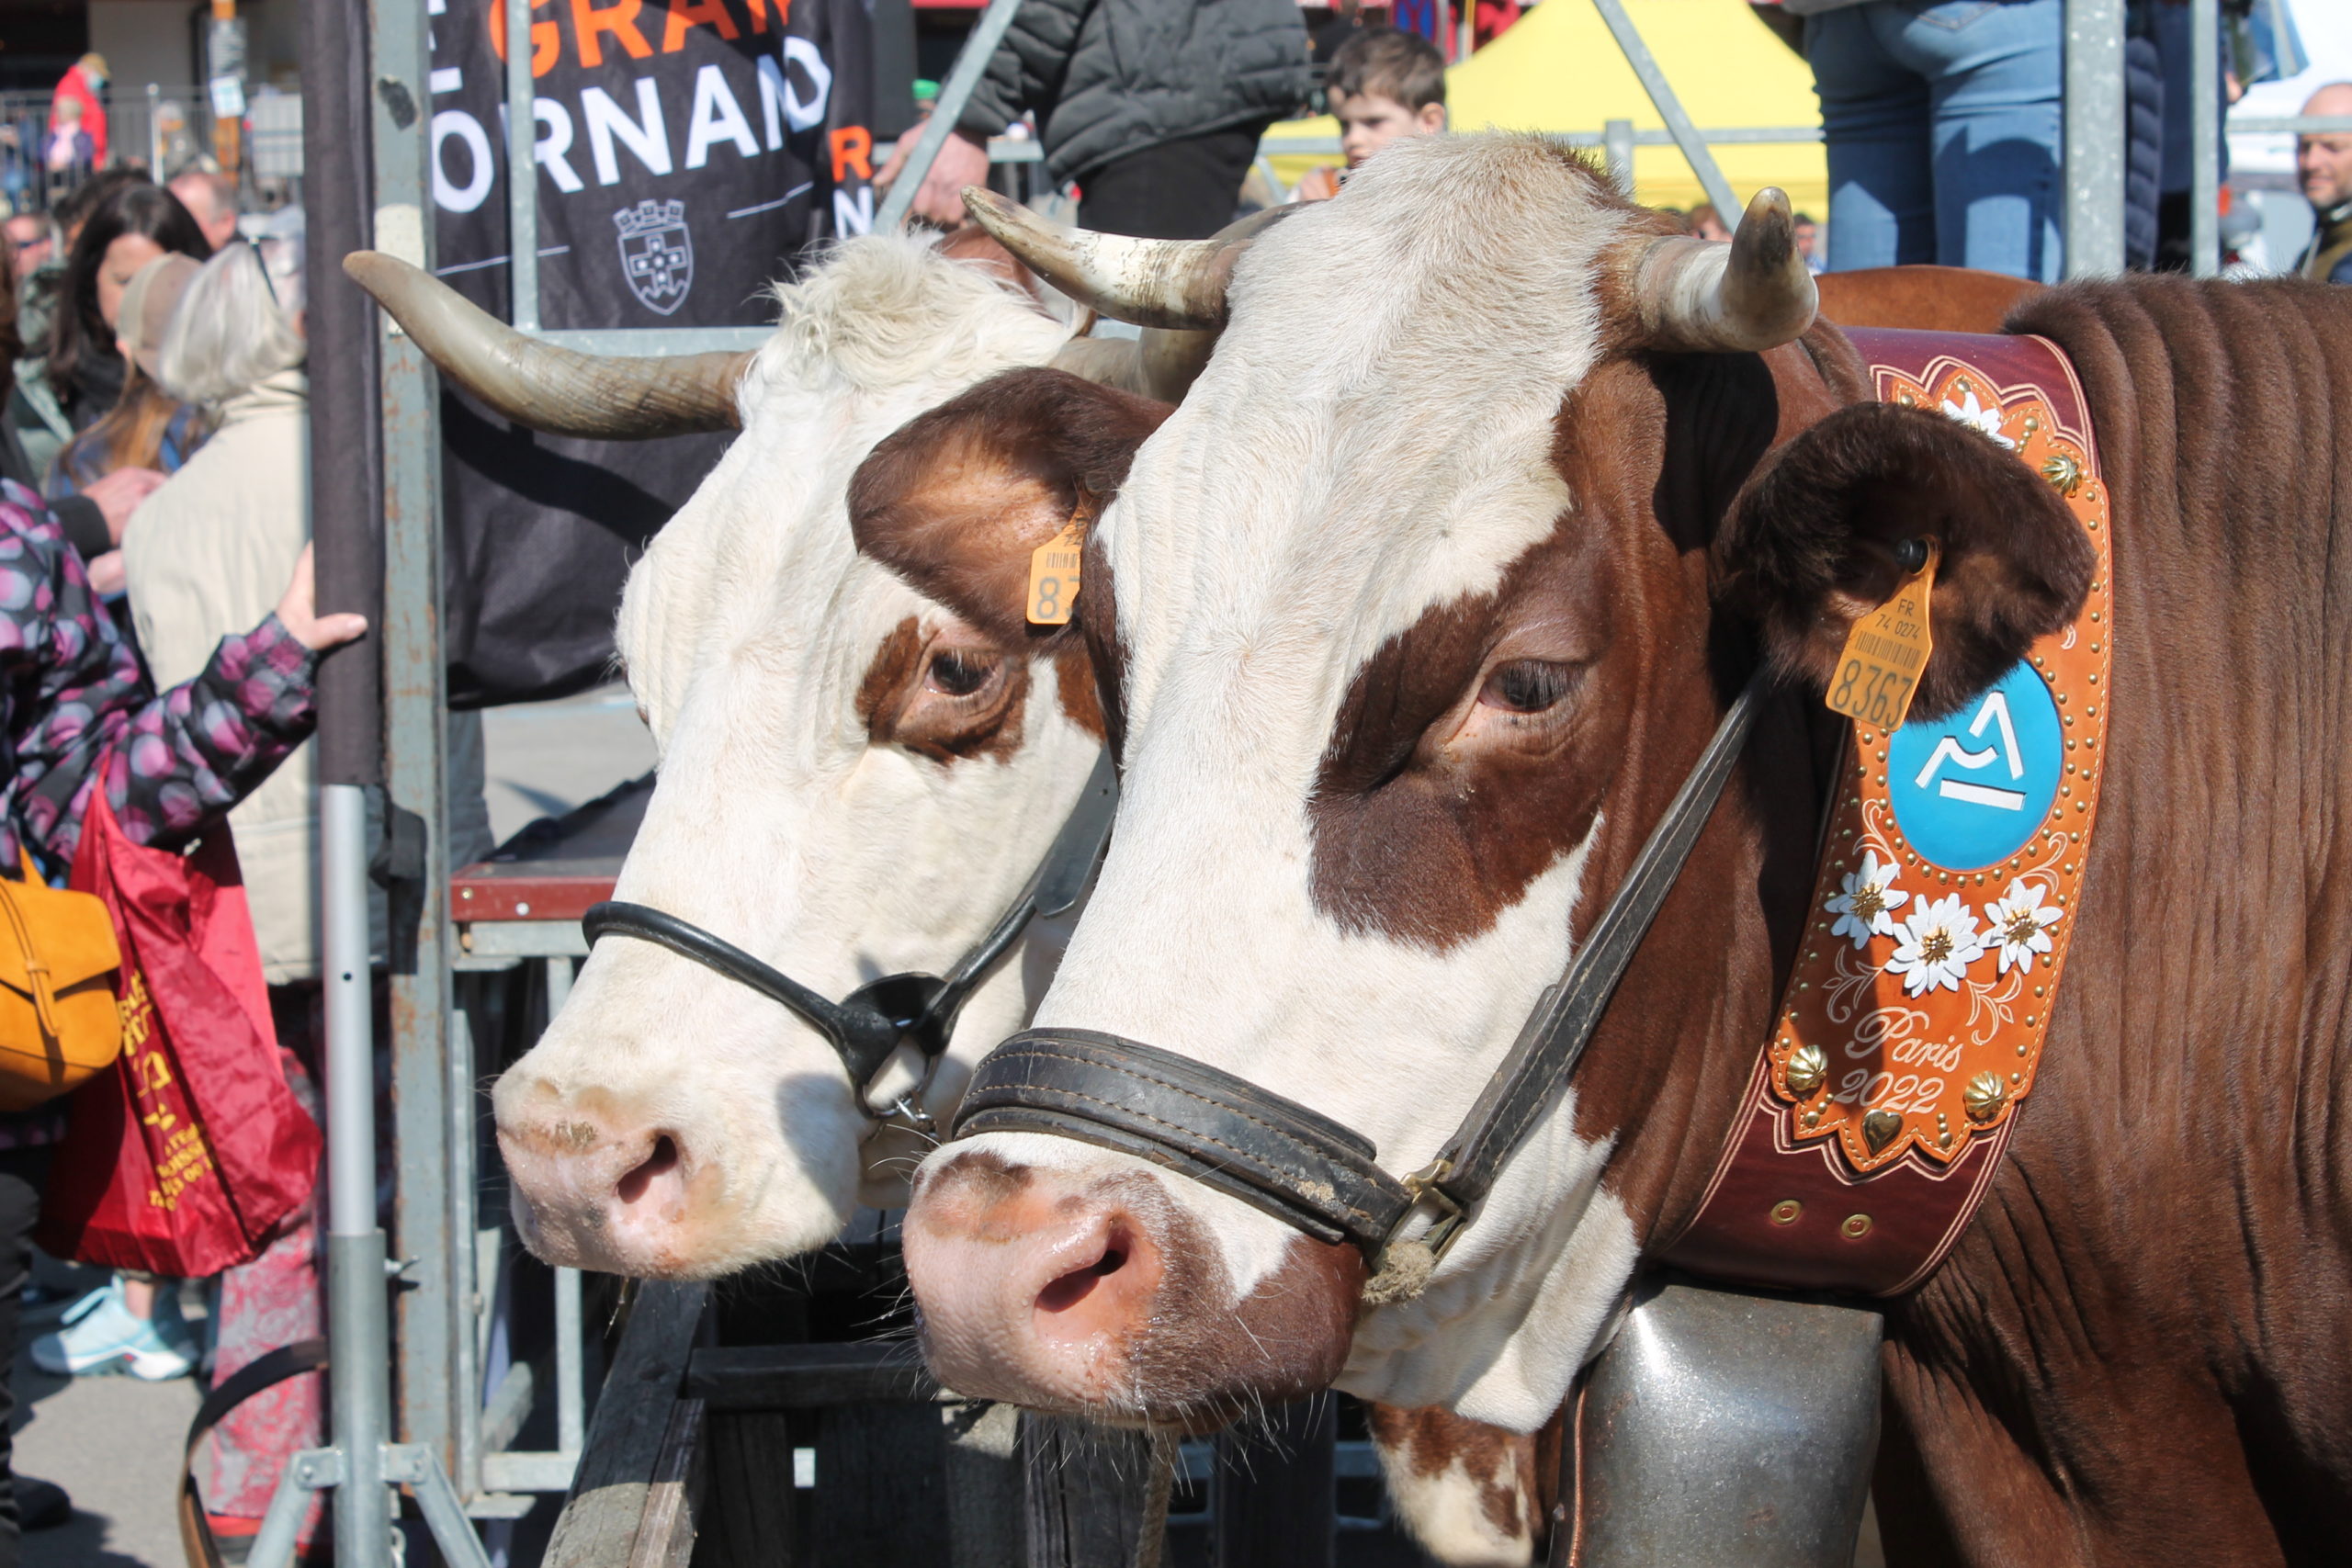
(1665, 1070)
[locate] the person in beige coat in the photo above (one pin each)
(199, 551)
(195, 554)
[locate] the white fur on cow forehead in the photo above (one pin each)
(1374, 434)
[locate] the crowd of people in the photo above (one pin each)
(159, 638)
(1943, 119)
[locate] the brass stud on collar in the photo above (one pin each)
(1984, 1097)
(1879, 1129)
(1855, 1227)
(1786, 1211)
(1808, 1067)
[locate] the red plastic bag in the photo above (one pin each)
(186, 1156)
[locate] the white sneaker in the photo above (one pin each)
(100, 1338)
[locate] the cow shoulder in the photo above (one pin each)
(1810, 546)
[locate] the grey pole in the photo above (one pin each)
(358, 1373)
(970, 66)
(2094, 158)
(1669, 109)
(1617, 150)
(2205, 138)
(522, 172)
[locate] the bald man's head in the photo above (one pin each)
(2324, 161)
(211, 200)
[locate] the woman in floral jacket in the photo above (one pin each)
(76, 715)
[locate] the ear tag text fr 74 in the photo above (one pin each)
(1886, 651)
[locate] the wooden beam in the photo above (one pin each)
(628, 1438)
(808, 1376)
(665, 1533)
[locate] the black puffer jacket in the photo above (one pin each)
(1110, 78)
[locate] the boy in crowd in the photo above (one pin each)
(1384, 87)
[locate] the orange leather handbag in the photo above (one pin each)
(58, 1022)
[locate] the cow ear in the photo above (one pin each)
(1813, 541)
(957, 499)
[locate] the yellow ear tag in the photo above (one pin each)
(1886, 653)
(1053, 576)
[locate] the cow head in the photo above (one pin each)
(854, 780)
(1410, 621)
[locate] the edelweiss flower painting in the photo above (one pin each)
(1985, 421)
(1867, 903)
(1938, 942)
(2019, 923)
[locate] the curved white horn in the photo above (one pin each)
(1177, 283)
(603, 397)
(1745, 296)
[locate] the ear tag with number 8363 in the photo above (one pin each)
(1885, 654)
(1053, 576)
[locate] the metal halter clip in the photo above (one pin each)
(1423, 1184)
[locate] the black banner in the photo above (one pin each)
(688, 153)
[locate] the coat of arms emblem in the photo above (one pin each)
(657, 253)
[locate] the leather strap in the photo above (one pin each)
(1554, 1036)
(862, 1036)
(1301, 1166)
(917, 1010)
(266, 1371)
(1274, 1153)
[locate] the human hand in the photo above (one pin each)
(961, 162)
(299, 612)
(106, 574)
(118, 495)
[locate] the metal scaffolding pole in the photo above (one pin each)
(1669, 109)
(2205, 138)
(2093, 161)
(357, 140)
(521, 171)
(970, 66)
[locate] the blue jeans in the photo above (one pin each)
(1942, 122)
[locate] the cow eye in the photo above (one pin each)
(1527, 685)
(958, 673)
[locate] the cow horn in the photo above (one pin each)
(1162, 364)
(1175, 284)
(1745, 296)
(535, 384)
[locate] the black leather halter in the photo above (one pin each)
(1298, 1164)
(917, 1010)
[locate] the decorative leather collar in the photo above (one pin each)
(1913, 1024)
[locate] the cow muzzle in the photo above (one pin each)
(1094, 1294)
(595, 1192)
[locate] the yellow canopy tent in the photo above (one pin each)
(1559, 70)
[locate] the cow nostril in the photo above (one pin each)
(1077, 1284)
(664, 1158)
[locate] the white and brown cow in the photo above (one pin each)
(854, 781)
(1408, 623)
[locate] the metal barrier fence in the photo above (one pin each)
(163, 129)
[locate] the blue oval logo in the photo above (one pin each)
(1972, 788)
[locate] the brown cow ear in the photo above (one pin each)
(955, 500)
(1813, 541)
